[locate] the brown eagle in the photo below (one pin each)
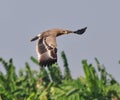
(46, 46)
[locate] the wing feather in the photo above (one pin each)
(47, 50)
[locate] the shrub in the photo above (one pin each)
(50, 84)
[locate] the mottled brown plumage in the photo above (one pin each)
(46, 47)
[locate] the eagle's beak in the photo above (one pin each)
(35, 38)
(68, 32)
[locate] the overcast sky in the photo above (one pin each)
(21, 20)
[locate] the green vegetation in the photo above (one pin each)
(50, 84)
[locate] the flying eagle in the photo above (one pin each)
(46, 46)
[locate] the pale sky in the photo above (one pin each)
(21, 20)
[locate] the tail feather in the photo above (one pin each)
(47, 59)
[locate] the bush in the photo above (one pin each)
(50, 84)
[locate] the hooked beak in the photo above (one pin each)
(35, 38)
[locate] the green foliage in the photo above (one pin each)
(67, 73)
(50, 84)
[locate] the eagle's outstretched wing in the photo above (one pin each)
(47, 50)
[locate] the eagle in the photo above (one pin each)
(46, 46)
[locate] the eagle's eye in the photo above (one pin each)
(65, 32)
